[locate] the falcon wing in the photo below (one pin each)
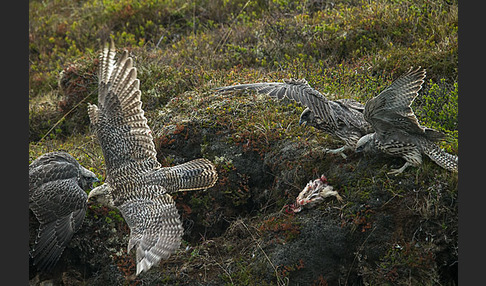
(50, 167)
(392, 107)
(350, 112)
(118, 120)
(351, 104)
(298, 90)
(156, 229)
(288, 88)
(60, 206)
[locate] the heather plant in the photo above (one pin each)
(387, 230)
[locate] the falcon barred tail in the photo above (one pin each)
(194, 175)
(442, 158)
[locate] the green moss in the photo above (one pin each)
(408, 263)
(347, 49)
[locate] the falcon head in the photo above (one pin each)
(87, 178)
(101, 195)
(366, 143)
(315, 191)
(307, 118)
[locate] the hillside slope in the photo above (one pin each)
(390, 230)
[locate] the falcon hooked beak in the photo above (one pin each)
(365, 143)
(102, 195)
(305, 117)
(94, 180)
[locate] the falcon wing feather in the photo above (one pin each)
(392, 107)
(155, 229)
(138, 186)
(119, 121)
(295, 89)
(60, 207)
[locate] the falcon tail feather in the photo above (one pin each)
(194, 175)
(442, 158)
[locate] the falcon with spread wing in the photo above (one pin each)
(136, 183)
(342, 118)
(397, 131)
(57, 197)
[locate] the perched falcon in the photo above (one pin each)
(397, 131)
(136, 184)
(57, 197)
(315, 191)
(342, 118)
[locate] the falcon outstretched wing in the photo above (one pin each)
(342, 118)
(392, 107)
(397, 130)
(331, 112)
(156, 229)
(136, 183)
(119, 120)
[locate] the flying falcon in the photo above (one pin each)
(57, 197)
(136, 183)
(342, 118)
(397, 131)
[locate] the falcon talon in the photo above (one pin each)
(397, 131)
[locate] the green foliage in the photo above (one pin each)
(246, 274)
(437, 108)
(438, 105)
(384, 34)
(349, 49)
(115, 215)
(345, 49)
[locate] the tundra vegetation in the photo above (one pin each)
(388, 230)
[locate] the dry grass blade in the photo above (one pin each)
(280, 281)
(64, 116)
